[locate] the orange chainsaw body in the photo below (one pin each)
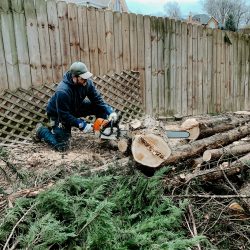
(99, 124)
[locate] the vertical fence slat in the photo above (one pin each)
(223, 76)
(184, 65)
(83, 35)
(160, 65)
(9, 43)
(54, 37)
(195, 71)
(209, 70)
(125, 41)
(21, 44)
(242, 73)
(62, 10)
(167, 89)
(230, 72)
(214, 73)
(247, 95)
(92, 32)
(235, 70)
(33, 43)
(140, 54)
(3, 70)
(178, 84)
(73, 32)
(43, 37)
(200, 49)
(118, 42)
(133, 42)
(109, 35)
(205, 71)
(154, 76)
(218, 70)
(190, 69)
(148, 89)
(172, 68)
(101, 41)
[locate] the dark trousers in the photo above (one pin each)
(59, 136)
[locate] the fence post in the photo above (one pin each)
(9, 44)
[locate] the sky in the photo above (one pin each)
(155, 7)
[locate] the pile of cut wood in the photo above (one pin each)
(217, 146)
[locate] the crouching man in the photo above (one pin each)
(68, 105)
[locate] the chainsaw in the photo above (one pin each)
(110, 129)
(107, 128)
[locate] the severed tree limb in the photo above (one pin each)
(204, 128)
(195, 148)
(232, 149)
(214, 173)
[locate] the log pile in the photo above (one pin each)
(216, 146)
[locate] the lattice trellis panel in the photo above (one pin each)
(21, 110)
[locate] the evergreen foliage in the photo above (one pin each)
(100, 212)
(230, 23)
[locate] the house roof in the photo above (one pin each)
(201, 18)
(116, 5)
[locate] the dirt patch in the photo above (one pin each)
(31, 165)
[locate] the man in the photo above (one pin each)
(68, 104)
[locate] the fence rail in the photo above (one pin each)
(185, 69)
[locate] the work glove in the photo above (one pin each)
(85, 127)
(113, 117)
(88, 128)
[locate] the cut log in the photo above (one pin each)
(204, 128)
(135, 124)
(196, 148)
(123, 145)
(229, 150)
(150, 150)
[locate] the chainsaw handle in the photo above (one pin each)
(109, 124)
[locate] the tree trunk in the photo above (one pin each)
(196, 148)
(232, 149)
(150, 149)
(204, 128)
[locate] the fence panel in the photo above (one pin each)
(22, 44)
(54, 37)
(33, 43)
(185, 69)
(154, 66)
(74, 39)
(9, 44)
(44, 43)
(62, 10)
(83, 35)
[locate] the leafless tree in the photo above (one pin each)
(220, 9)
(172, 10)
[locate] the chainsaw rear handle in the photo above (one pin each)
(110, 125)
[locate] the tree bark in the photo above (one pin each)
(232, 149)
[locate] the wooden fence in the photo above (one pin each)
(185, 69)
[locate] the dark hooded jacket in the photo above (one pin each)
(67, 102)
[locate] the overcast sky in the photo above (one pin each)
(155, 7)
